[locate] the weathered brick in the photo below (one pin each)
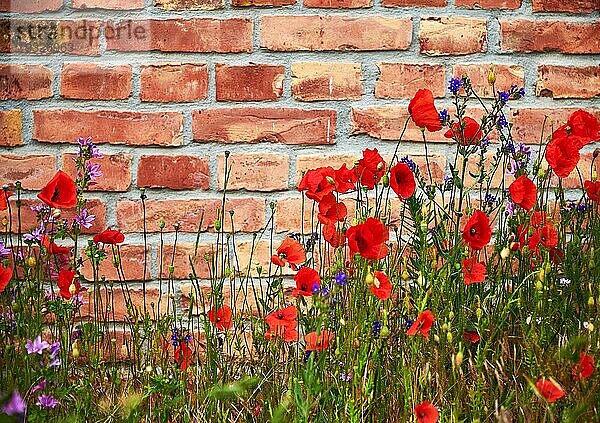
(173, 172)
(11, 126)
(312, 81)
(203, 259)
(255, 171)
(109, 126)
(115, 168)
(91, 81)
(402, 80)
(189, 4)
(541, 36)
(452, 36)
(29, 82)
(79, 37)
(415, 3)
(312, 161)
(282, 125)
(34, 171)
(30, 6)
(289, 33)
(185, 35)
(249, 214)
(506, 75)
(132, 264)
(338, 4)
(112, 304)
(488, 4)
(568, 81)
(585, 170)
(290, 216)
(529, 123)
(108, 4)
(252, 82)
(174, 82)
(259, 3)
(571, 6)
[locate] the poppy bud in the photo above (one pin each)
(591, 301)
(217, 224)
(148, 369)
(330, 180)
(56, 213)
(369, 279)
(539, 286)
(458, 359)
(590, 327)
(385, 180)
(161, 224)
(30, 261)
(342, 322)
(75, 352)
(451, 315)
(436, 338)
(505, 253)
(541, 173)
(385, 332)
(405, 275)
(380, 166)
(542, 275)
(479, 313)
(171, 270)
(491, 76)
(449, 336)
(420, 279)
(445, 326)
(72, 289)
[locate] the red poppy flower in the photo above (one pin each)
(592, 189)
(345, 179)
(330, 211)
(318, 183)
(548, 236)
(290, 251)
(66, 278)
(370, 168)
(283, 323)
(472, 336)
(422, 325)
(60, 192)
(5, 276)
(368, 239)
(381, 286)
(549, 389)
(523, 192)
(426, 413)
(467, 134)
(562, 154)
(307, 281)
(473, 271)
(334, 236)
(402, 181)
(4, 196)
(477, 232)
(423, 112)
(53, 248)
(109, 236)
(222, 318)
(318, 342)
(183, 355)
(584, 368)
(583, 125)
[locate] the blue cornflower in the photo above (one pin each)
(504, 96)
(443, 116)
(315, 288)
(501, 121)
(324, 291)
(341, 278)
(411, 165)
(376, 328)
(455, 85)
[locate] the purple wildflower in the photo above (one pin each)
(37, 346)
(376, 327)
(84, 219)
(87, 144)
(455, 85)
(15, 405)
(46, 401)
(39, 386)
(341, 278)
(443, 116)
(315, 288)
(93, 172)
(345, 377)
(504, 96)
(501, 121)
(411, 165)
(35, 234)
(3, 250)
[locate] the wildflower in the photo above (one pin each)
(423, 112)
(422, 325)
(443, 116)
(345, 179)
(523, 192)
(290, 251)
(345, 377)
(84, 219)
(183, 355)
(222, 317)
(581, 128)
(92, 172)
(283, 323)
(67, 283)
(370, 168)
(87, 147)
(52, 248)
(4, 196)
(334, 236)
(34, 235)
(473, 271)
(36, 346)
(426, 413)
(318, 183)
(39, 386)
(503, 96)
(472, 336)
(15, 405)
(381, 286)
(549, 389)
(467, 132)
(562, 154)
(477, 232)
(455, 85)
(489, 201)
(368, 239)
(501, 121)
(330, 211)
(402, 181)
(46, 401)
(306, 280)
(376, 328)
(584, 368)
(341, 278)
(318, 342)
(60, 192)
(3, 250)
(592, 189)
(5, 277)
(109, 236)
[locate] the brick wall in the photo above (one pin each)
(166, 86)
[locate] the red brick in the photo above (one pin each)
(30, 6)
(249, 214)
(173, 172)
(488, 4)
(108, 4)
(338, 4)
(28, 219)
(33, 171)
(29, 82)
(255, 171)
(402, 80)
(115, 168)
(112, 304)
(452, 35)
(568, 81)
(11, 126)
(528, 123)
(282, 125)
(90, 81)
(132, 264)
(307, 162)
(542, 36)
(267, 3)
(506, 75)
(174, 82)
(203, 268)
(312, 81)
(289, 33)
(189, 4)
(415, 3)
(571, 6)
(109, 126)
(185, 35)
(248, 83)
(585, 169)
(80, 37)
